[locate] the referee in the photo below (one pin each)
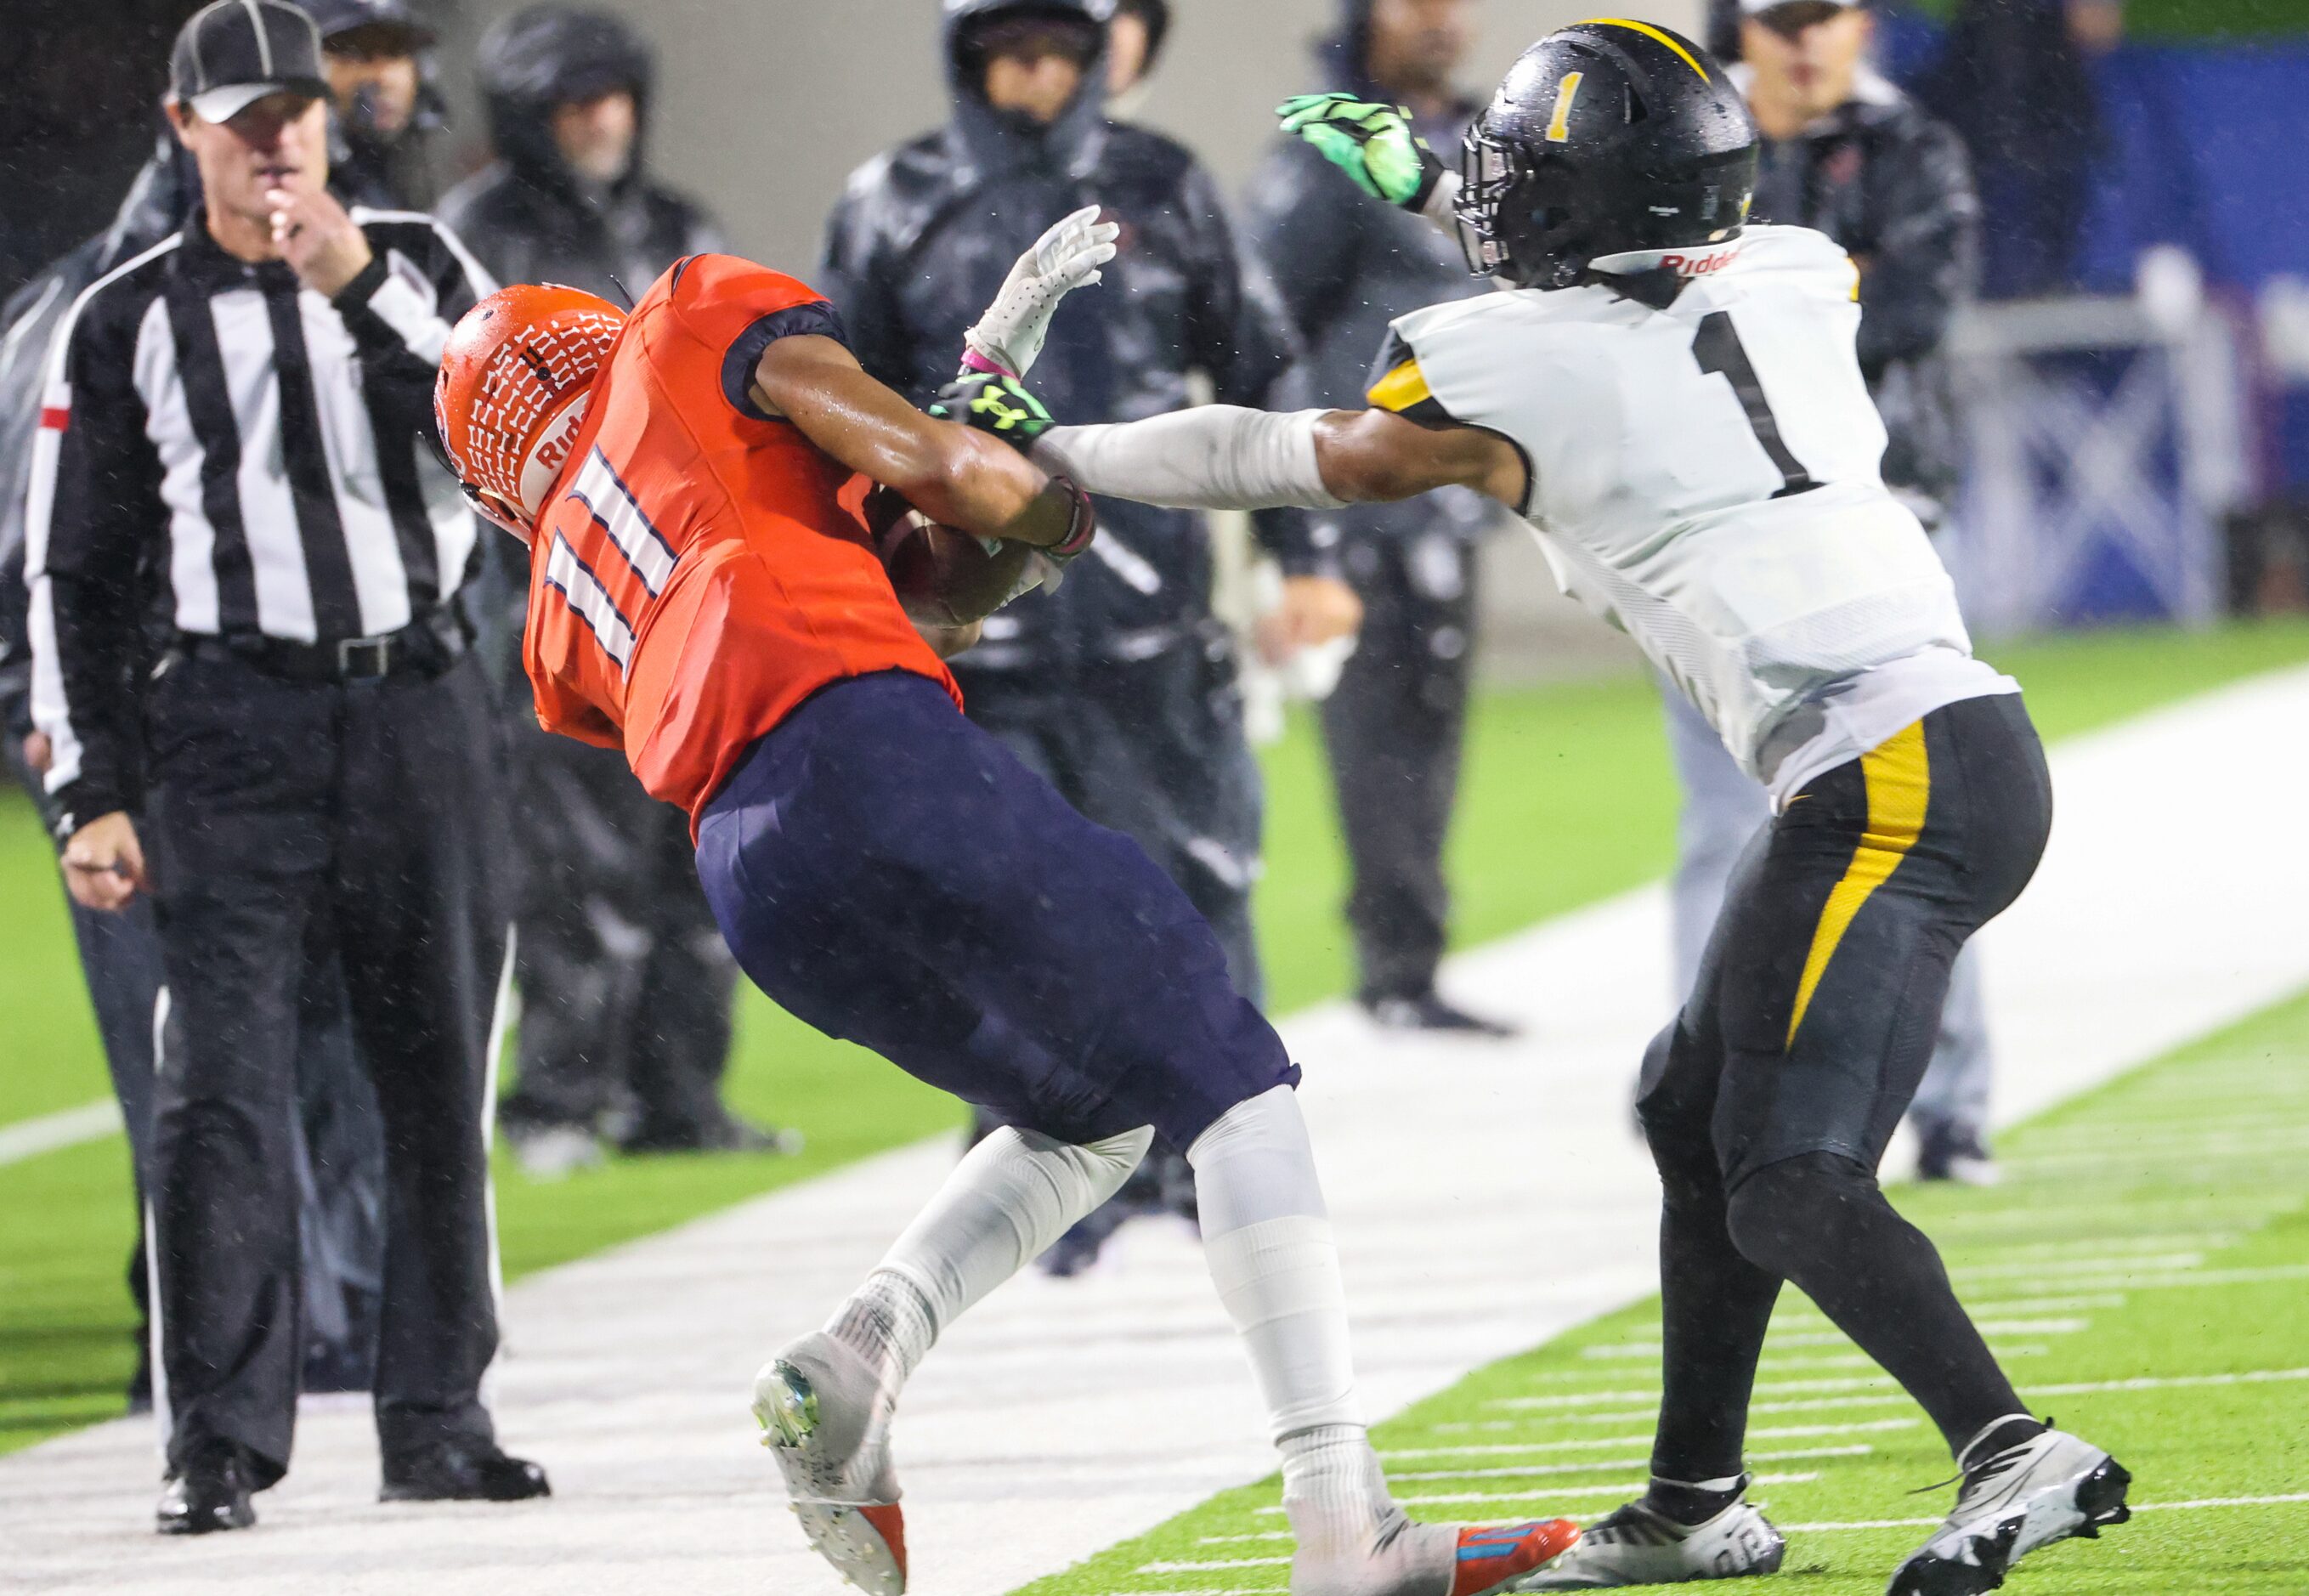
(231, 434)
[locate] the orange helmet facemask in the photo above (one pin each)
(515, 377)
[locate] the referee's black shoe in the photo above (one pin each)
(461, 1471)
(210, 1493)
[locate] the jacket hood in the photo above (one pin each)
(547, 55)
(987, 141)
(1342, 62)
(165, 193)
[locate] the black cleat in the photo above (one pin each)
(1429, 1012)
(464, 1471)
(210, 1493)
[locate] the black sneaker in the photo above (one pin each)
(1954, 1152)
(210, 1493)
(460, 1471)
(728, 1133)
(1428, 1012)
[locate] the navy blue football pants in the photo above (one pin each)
(893, 875)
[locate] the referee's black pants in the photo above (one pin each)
(1393, 728)
(378, 806)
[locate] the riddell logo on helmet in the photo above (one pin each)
(555, 450)
(1700, 265)
(551, 453)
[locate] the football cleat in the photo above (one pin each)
(2048, 1489)
(1414, 1559)
(1639, 1546)
(1493, 1557)
(826, 1417)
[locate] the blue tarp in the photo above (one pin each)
(2207, 148)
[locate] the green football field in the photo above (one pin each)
(1568, 799)
(2143, 1273)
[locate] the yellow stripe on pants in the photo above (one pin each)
(1899, 781)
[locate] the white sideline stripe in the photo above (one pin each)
(53, 1132)
(625, 1373)
(1915, 1524)
(1214, 1565)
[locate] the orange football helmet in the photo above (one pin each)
(514, 380)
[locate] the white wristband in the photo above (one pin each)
(1211, 457)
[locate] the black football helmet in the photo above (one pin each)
(1606, 136)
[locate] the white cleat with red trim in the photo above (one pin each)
(826, 1417)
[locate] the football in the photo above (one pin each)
(943, 577)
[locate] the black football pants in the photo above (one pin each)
(1393, 728)
(625, 983)
(1769, 1101)
(378, 806)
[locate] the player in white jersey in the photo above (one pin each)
(1672, 402)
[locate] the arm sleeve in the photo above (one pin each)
(93, 506)
(1211, 457)
(854, 280)
(1926, 260)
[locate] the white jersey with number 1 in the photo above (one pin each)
(1706, 477)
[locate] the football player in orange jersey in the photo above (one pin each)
(706, 596)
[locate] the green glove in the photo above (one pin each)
(1371, 142)
(997, 403)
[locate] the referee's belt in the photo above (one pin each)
(423, 649)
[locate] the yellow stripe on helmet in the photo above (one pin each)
(1559, 131)
(1649, 31)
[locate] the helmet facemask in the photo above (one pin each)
(1508, 228)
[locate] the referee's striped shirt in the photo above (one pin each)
(218, 440)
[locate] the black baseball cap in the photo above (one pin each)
(234, 53)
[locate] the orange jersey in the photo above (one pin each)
(699, 569)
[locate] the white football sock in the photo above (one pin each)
(1009, 1198)
(1267, 1238)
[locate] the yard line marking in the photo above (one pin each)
(1785, 1432)
(1861, 1393)
(1567, 1493)
(53, 1132)
(1254, 1535)
(1630, 1487)
(1912, 1524)
(1458, 1499)
(2115, 1246)
(1511, 1449)
(1529, 1470)
(1212, 1565)
(2159, 1260)
(2204, 1277)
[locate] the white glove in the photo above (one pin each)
(1010, 335)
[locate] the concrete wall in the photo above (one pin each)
(766, 105)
